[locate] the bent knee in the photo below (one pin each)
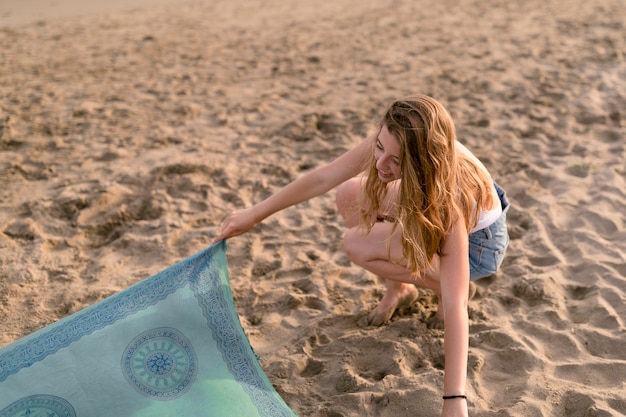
(353, 245)
(347, 192)
(347, 200)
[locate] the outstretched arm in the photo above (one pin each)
(454, 270)
(312, 184)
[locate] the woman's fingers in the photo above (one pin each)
(235, 224)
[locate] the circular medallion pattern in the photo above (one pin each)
(160, 363)
(39, 405)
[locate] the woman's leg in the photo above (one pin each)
(370, 252)
(347, 200)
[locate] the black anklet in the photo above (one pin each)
(451, 397)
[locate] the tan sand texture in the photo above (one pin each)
(127, 136)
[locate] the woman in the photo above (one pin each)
(426, 213)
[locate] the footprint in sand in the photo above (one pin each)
(581, 405)
(109, 216)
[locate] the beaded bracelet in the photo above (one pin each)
(451, 397)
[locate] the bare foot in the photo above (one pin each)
(435, 321)
(397, 295)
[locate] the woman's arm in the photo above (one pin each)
(312, 184)
(454, 269)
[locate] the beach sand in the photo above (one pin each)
(128, 134)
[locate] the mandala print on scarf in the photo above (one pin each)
(160, 364)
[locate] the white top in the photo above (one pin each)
(488, 217)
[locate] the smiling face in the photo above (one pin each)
(387, 155)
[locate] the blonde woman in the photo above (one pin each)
(425, 214)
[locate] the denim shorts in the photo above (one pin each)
(487, 246)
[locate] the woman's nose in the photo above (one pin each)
(381, 164)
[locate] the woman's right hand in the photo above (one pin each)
(237, 223)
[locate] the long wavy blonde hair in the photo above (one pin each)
(437, 184)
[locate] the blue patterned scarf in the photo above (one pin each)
(171, 345)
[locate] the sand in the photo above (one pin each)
(128, 134)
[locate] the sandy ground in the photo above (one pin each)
(128, 134)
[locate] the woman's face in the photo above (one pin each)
(387, 155)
